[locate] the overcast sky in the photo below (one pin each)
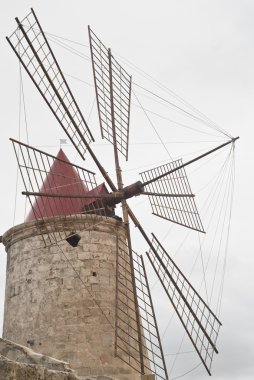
(202, 50)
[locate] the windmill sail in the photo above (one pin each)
(113, 93)
(180, 207)
(33, 50)
(200, 323)
(42, 172)
(148, 353)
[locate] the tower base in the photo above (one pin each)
(60, 300)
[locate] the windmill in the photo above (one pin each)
(167, 187)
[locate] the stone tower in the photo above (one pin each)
(60, 300)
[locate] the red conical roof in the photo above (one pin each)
(61, 179)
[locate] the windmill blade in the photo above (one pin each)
(200, 323)
(113, 86)
(33, 50)
(127, 346)
(113, 94)
(42, 172)
(170, 196)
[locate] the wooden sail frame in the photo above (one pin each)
(34, 52)
(200, 323)
(35, 167)
(113, 94)
(179, 208)
(127, 346)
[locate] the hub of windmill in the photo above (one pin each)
(127, 192)
(132, 190)
(112, 199)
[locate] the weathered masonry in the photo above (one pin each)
(61, 303)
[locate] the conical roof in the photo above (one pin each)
(61, 179)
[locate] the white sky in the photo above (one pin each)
(203, 50)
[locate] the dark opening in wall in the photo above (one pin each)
(94, 274)
(73, 239)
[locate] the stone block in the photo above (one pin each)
(148, 377)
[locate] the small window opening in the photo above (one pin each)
(94, 274)
(73, 239)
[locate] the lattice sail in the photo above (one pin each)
(180, 207)
(57, 217)
(200, 323)
(113, 93)
(147, 353)
(33, 50)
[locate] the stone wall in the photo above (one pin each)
(61, 302)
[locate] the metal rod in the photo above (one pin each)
(155, 321)
(138, 319)
(49, 155)
(186, 279)
(117, 165)
(44, 97)
(125, 217)
(96, 91)
(51, 51)
(116, 294)
(45, 71)
(128, 133)
(89, 196)
(180, 224)
(185, 301)
(167, 195)
(179, 315)
(190, 162)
